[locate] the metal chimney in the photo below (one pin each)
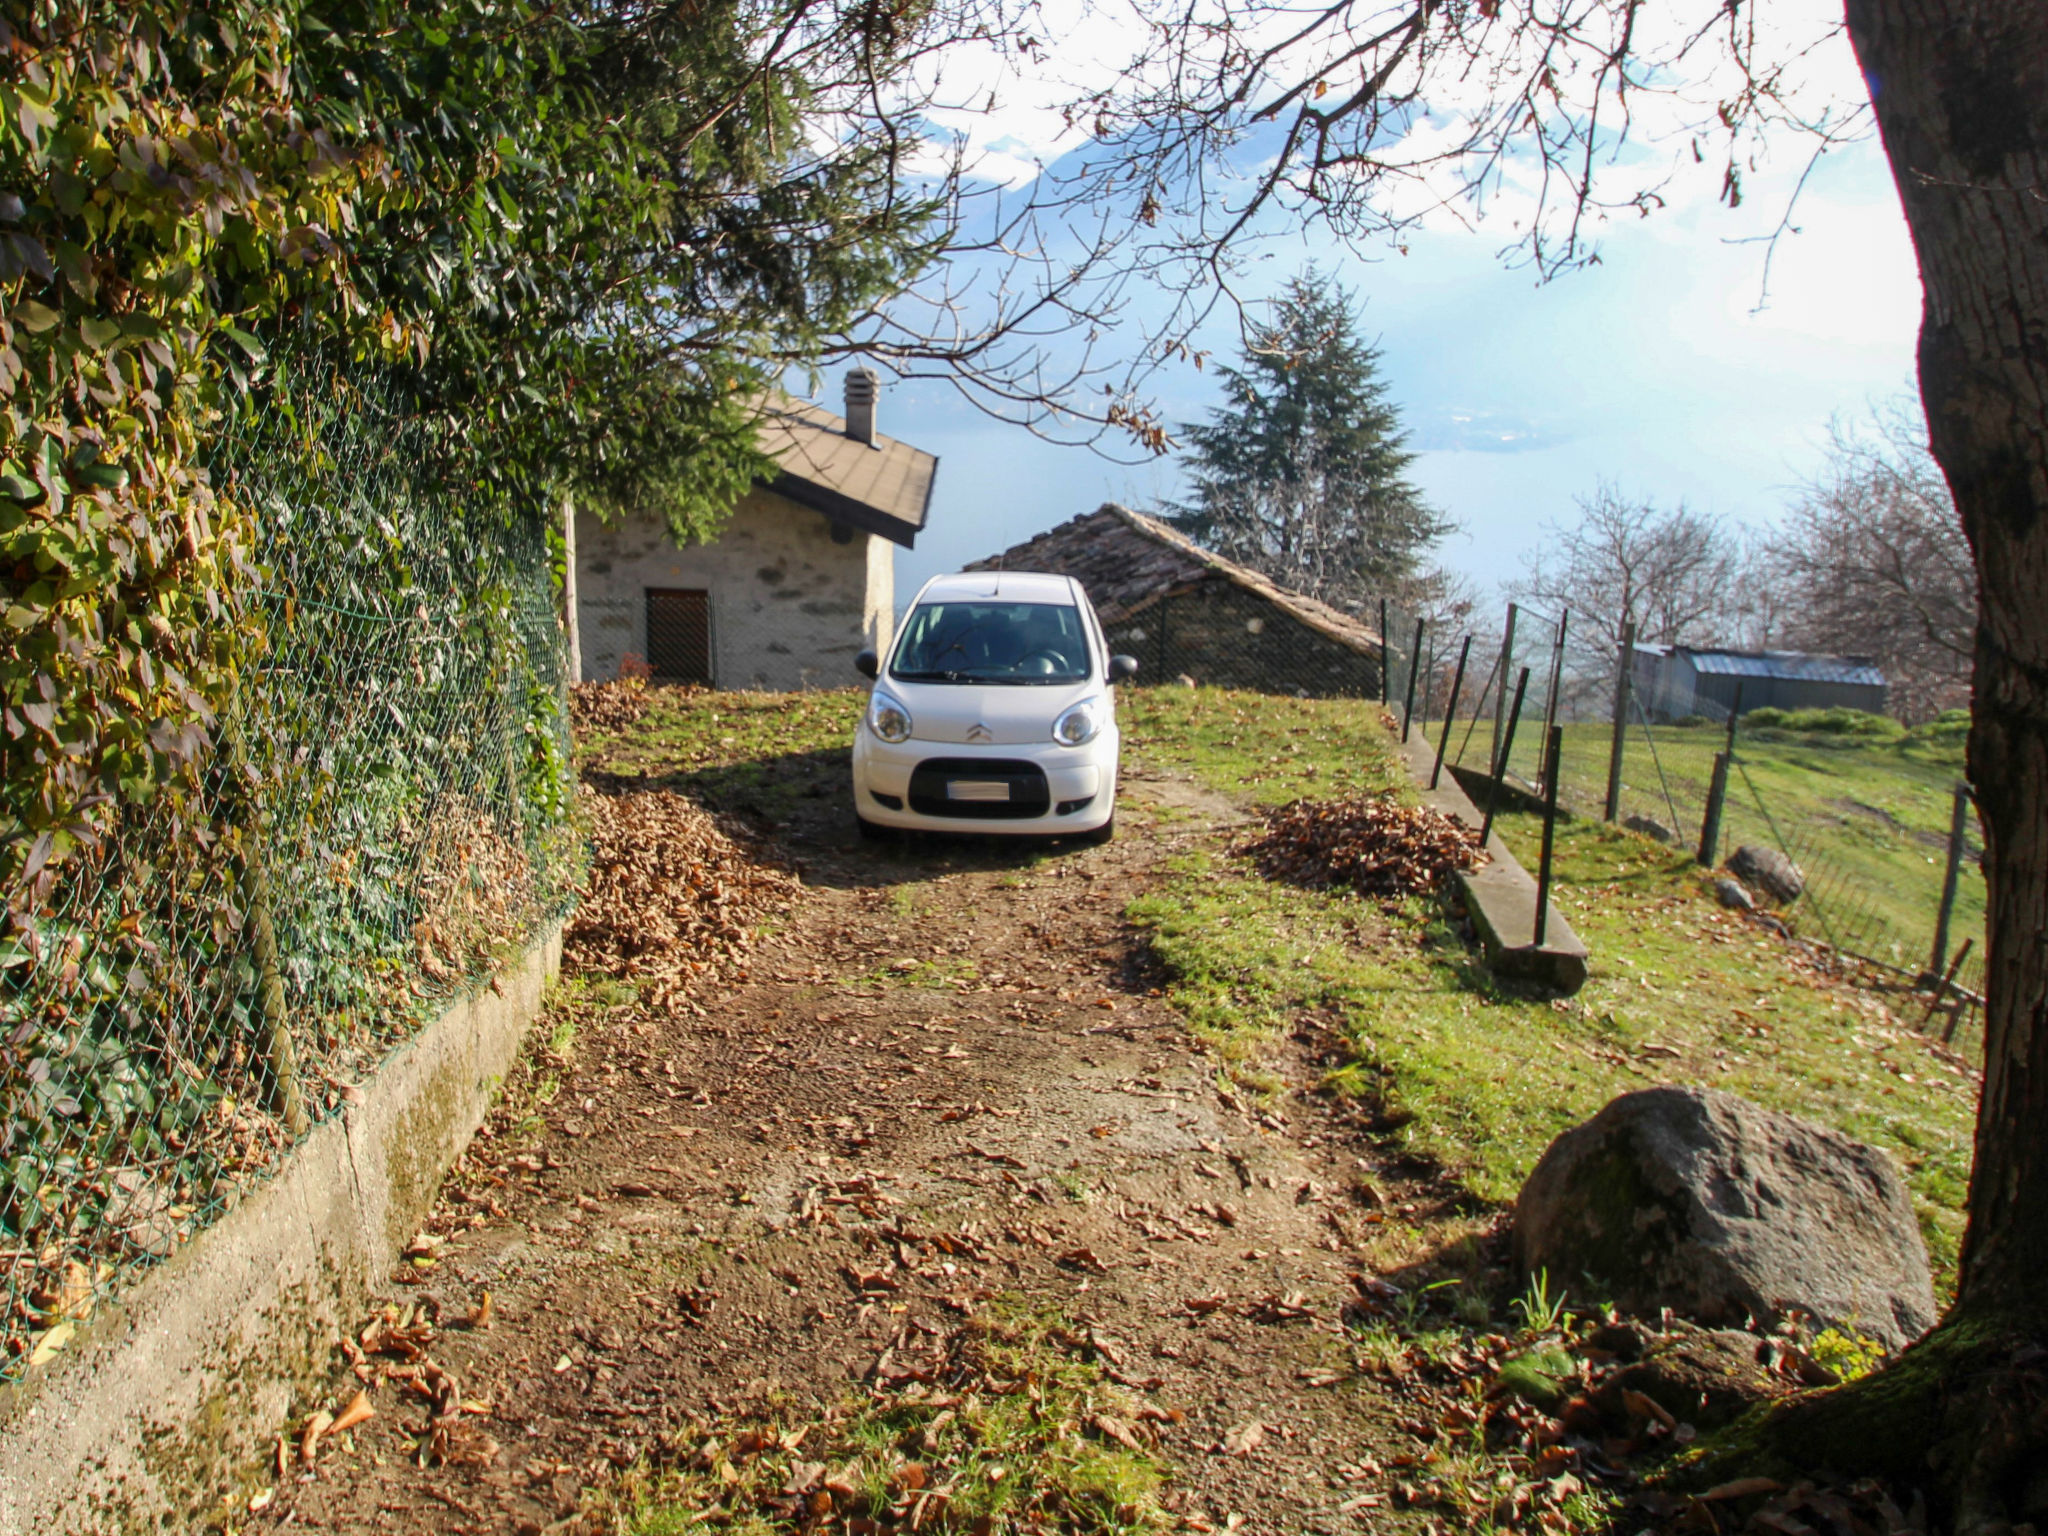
(861, 389)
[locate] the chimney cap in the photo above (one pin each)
(862, 388)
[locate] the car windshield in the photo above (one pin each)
(985, 642)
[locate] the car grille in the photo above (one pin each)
(1029, 795)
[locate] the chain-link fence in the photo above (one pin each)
(1867, 810)
(383, 815)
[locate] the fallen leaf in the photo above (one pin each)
(1243, 1439)
(359, 1409)
(1121, 1431)
(50, 1343)
(1742, 1487)
(309, 1438)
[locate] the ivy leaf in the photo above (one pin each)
(246, 342)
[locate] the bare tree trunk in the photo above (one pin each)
(1961, 91)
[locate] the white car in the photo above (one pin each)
(996, 712)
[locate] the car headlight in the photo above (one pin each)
(888, 719)
(1079, 724)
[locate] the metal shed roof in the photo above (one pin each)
(1798, 666)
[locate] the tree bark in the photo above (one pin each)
(1961, 93)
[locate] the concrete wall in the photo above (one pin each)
(789, 606)
(1225, 637)
(167, 1402)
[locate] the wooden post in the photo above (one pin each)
(1500, 767)
(1622, 683)
(1549, 834)
(1710, 826)
(572, 622)
(1958, 833)
(1507, 663)
(1451, 711)
(1414, 666)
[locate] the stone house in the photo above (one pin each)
(801, 578)
(1186, 612)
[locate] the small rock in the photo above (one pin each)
(1769, 871)
(1649, 826)
(1697, 1200)
(1733, 893)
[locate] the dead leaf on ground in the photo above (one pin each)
(1243, 1439)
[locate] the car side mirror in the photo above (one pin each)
(867, 664)
(1121, 667)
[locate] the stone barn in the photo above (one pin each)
(1184, 612)
(800, 580)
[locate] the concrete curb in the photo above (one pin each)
(169, 1402)
(1501, 895)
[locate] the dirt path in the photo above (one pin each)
(947, 1077)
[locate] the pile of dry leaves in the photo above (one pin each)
(1374, 844)
(670, 895)
(608, 706)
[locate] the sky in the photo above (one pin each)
(1667, 368)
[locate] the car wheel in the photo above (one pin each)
(875, 832)
(1102, 834)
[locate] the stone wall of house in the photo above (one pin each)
(790, 606)
(1225, 637)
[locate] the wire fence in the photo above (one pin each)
(382, 816)
(1870, 816)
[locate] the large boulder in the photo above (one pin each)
(1696, 1200)
(1769, 871)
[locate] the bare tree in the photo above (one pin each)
(1873, 562)
(1628, 561)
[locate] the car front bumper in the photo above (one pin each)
(1078, 794)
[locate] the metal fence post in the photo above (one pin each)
(1556, 682)
(1958, 833)
(1386, 657)
(1451, 711)
(1414, 666)
(1500, 767)
(1622, 683)
(1710, 826)
(1549, 835)
(1507, 663)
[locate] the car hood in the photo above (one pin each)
(1013, 715)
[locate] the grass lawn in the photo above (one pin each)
(1866, 818)
(1480, 1077)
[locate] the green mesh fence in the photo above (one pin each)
(384, 816)
(1870, 836)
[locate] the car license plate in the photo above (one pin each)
(977, 789)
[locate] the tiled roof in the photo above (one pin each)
(1799, 666)
(1128, 561)
(885, 489)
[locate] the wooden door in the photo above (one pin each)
(679, 634)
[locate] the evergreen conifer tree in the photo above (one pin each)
(1301, 474)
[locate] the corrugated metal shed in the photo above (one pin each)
(1790, 666)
